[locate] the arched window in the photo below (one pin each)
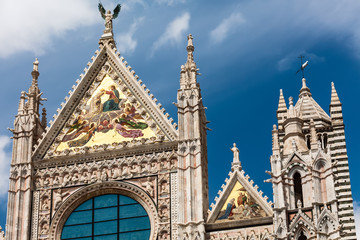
(302, 236)
(308, 141)
(298, 188)
(107, 217)
(325, 141)
(323, 191)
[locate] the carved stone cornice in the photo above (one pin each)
(118, 168)
(126, 149)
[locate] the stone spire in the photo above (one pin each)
(334, 96)
(34, 91)
(282, 110)
(282, 103)
(236, 164)
(335, 107)
(189, 72)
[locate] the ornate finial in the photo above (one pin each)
(291, 101)
(304, 83)
(274, 127)
(190, 40)
(236, 160)
(189, 72)
(108, 17)
(35, 73)
(36, 65)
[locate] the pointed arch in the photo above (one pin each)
(298, 191)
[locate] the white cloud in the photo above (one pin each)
(229, 24)
(169, 2)
(125, 41)
(174, 32)
(31, 25)
(5, 166)
(357, 217)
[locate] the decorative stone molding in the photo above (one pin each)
(100, 171)
(93, 190)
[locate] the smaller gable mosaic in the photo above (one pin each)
(240, 205)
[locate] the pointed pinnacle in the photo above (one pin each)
(282, 103)
(334, 96)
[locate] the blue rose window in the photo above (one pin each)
(108, 217)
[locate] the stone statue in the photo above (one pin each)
(236, 151)
(108, 16)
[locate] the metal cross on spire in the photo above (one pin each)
(303, 65)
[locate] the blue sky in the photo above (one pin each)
(246, 52)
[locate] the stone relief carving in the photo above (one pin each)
(58, 196)
(115, 169)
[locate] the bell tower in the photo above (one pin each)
(308, 174)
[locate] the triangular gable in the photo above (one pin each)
(292, 158)
(239, 200)
(132, 114)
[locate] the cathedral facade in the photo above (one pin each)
(114, 165)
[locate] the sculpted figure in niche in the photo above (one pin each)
(149, 187)
(56, 180)
(94, 177)
(115, 173)
(45, 204)
(124, 171)
(164, 212)
(75, 178)
(47, 181)
(58, 198)
(164, 187)
(154, 167)
(44, 228)
(164, 236)
(104, 175)
(66, 180)
(84, 177)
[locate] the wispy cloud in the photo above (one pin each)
(5, 166)
(31, 25)
(126, 41)
(174, 32)
(169, 2)
(221, 32)
(357, 217)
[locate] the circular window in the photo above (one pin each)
(108, 217)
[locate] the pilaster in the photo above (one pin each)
(192, 156)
